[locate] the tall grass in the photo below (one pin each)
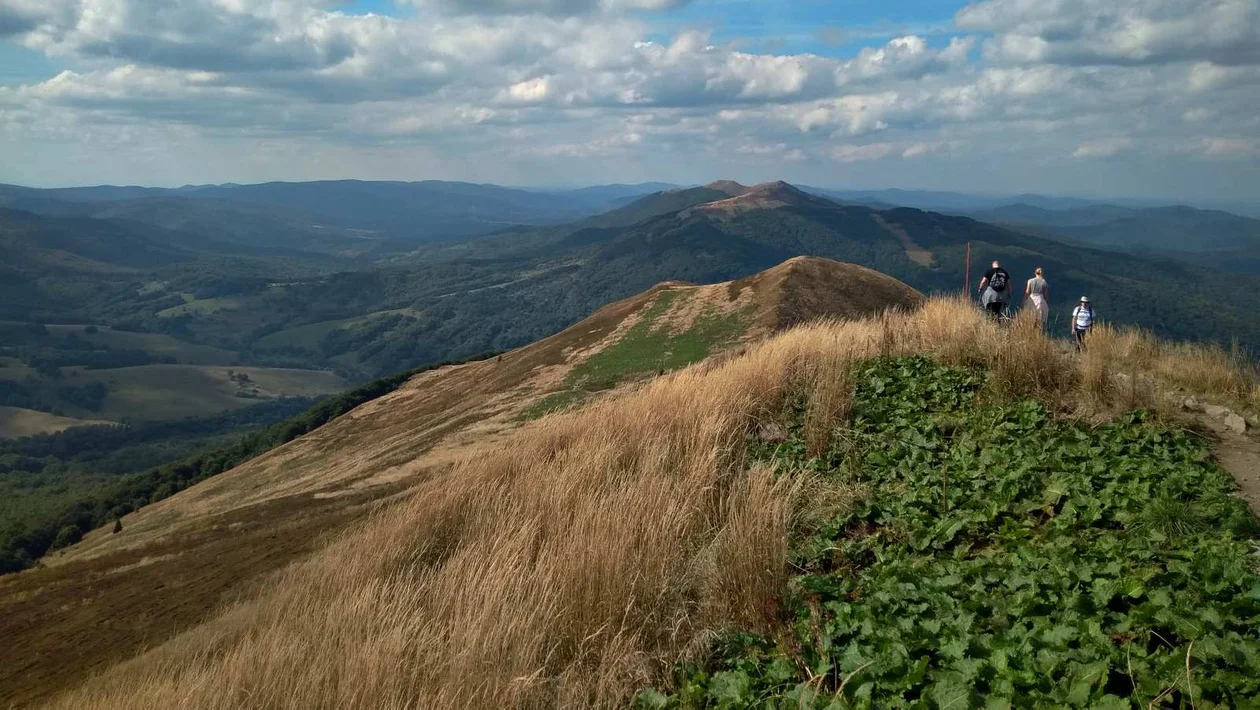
(1226, 375)
(577, 560)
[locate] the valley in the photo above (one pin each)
(722, 465)
(137, 307)
(176, 376)
(629, 355)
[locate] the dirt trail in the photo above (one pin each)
(1239, 454)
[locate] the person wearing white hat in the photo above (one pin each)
(1082, 322)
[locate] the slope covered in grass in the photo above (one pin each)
(1001, 556)
(581, 558)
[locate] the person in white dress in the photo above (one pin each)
(1037, 293)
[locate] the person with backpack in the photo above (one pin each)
(1082, 322)
(1037, 292)
(995, 290)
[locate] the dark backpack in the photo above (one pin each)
(999, 281)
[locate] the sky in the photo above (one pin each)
(1142, 98)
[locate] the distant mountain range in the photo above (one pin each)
(411, 211)
(958, 202)
(247, 270)
(1212, 238)
(1207, 237)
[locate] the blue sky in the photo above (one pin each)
(1149, 98)
(826, 28)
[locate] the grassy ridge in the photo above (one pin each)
(647, 347)
(578, 559)
(1001, 557)
(25, 543)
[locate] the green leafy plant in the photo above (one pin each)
(1005, 558)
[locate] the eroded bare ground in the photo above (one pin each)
(914, 252)
(1239, 454)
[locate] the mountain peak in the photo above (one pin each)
(766, 195)
(730, 187)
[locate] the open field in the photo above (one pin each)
(184, 352)
(161, 392)
(311, 335)
(14, 369)
(202, 306)
(16, 422)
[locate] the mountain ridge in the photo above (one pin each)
(275, 503)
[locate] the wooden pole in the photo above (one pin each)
(967, 282)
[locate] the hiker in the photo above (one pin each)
(1037, 291)
(995, 290)
(1082, 322)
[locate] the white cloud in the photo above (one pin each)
(779, 152)
(1103, 147)
(465, 83)
(914, 150)
(1217, 147)
(901, 57)
(1117, 31)
(542, 7)
(533, 90)
(859, 153)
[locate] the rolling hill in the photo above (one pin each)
(1212, 238)
(887, 498)
(171, 305)
(317, 214)
(705, 234)
(383, 309)
(229, 533)
(368, 306)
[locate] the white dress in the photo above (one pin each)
(1037, 289)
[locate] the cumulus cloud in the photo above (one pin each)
(1118, 31)
(544, 7)
(914, 150)
(19, 16)
(1102, 147)
(902, 57)
(568, 80)
(859, 153)
(1229, 147)
(221, 35)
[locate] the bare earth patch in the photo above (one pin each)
(16, 423)
(711, 300)
(916, 253)
(1239, 454)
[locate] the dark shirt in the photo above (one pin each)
(988, 275)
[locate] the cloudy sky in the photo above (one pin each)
(1106, 97)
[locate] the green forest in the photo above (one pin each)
(57, 488)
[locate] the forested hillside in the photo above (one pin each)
(153, 309)
(366, 307)
(1211, 238)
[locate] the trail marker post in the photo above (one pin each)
(967, 276)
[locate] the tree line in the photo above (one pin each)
(24, 542)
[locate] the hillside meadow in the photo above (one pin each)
(16, 422)
(644, 548)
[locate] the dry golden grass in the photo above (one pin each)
(578, 560)
(1221, 375)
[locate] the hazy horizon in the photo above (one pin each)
(1155, 100)
(1245, 207)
